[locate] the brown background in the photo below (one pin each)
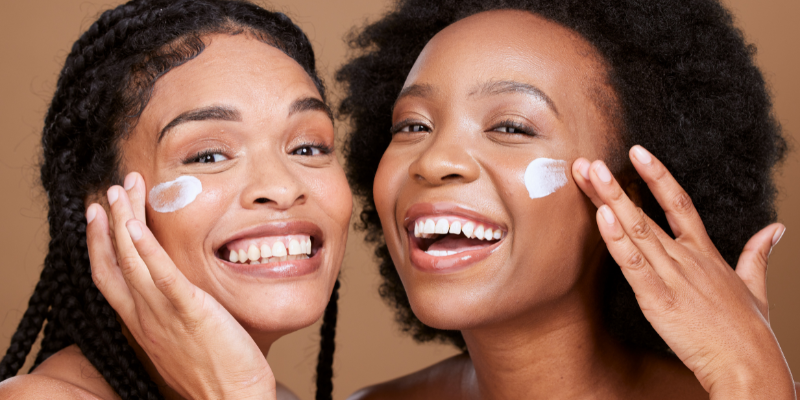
(36, 35)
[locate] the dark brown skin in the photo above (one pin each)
(257, 159)
(528, 311)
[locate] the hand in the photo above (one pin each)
(199, 349)
(715, 319)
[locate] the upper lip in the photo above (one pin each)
(280, 228)
(419, 210)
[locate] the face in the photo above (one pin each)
(491, 117)
(244, 190)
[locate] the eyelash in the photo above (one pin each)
(522, 128)
(398, 127)
(322, 147)
(204, 153)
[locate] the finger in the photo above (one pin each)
(685, 222)
(752, 265)
(133, 268)
(631, 218)
(166, 276)
(634, 265)
(105, 273)
(580, 174)
(135, 187)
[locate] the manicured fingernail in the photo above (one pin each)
(113, 195)
(91, 212)
(642, 155)
(608, 215)
(130, 180)
(134, 230)
(583, 168)
(603, 173)
(778, 235)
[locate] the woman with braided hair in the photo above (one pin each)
(207, 120)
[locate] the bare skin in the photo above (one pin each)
(466, 125)
(267, 170)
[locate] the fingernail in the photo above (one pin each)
(603, 173)
(130, 180)
(583, 168)
(134, 230)
(113, 195)
(91, 212)
(642, 155)
(608, 215)
(778, 235)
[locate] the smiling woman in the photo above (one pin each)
(214, 114)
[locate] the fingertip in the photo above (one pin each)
(112, 195)
(91, 213)
(134, 229)
(641, 155)
(607, 214)
(582, 167)
(130, 181)
(776, 237)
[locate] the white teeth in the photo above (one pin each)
(440, 253)
(442, 227)
(254, 262)
(253, 253)
(294, 248)
(479, 232)
(450, 252)
(278, 249)
(234, 257)
(467, 229)
(283, 258)
(243, 256)
(416, 229)
(266, 252)
(274, 259)
(455, 228)
(498, 234)
(487, 234)
(430, 227)
(308, 246)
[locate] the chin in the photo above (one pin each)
(281, 311)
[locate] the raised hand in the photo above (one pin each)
(715, 319)
(199, 349)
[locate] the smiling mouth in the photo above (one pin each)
(269, 249)
(444, 236)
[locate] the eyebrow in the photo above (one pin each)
(218, 113)
(494, 88)
(310, 104)
(416, 90)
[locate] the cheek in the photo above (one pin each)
(386, 186)
(330, 189)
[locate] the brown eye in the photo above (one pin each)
(306, 151)
(207, 158)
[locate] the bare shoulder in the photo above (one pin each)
(284, 393)
(443, 380)
(65, 375)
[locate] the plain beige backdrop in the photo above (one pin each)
(35, 36)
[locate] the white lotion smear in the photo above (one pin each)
(544, 176)
(172, 196)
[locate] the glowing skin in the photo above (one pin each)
(174, 195)
(544, 176)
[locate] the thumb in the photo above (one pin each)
(752, 265)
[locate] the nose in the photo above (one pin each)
(445, 160)
(273, 185)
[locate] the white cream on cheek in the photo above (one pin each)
(174, 195)
(544, 176)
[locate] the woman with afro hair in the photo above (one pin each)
(473, 123)
(193, 135)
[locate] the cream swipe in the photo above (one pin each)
(544, 176)
(174, 195)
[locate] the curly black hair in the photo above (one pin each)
(686, 88)
(103, 88)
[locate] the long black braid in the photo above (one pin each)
(327, 334)
(104, 86)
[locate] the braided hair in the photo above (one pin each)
(686, 88)
(103, 88)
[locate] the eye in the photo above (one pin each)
(409, 127)
(514, 127)
(207, 157)
(311, 149)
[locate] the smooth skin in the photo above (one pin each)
(267, 162)
(529, 312)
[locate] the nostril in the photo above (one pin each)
(451, 177)
(262, 200)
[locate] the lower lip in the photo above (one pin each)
(447, 264)
(278, 270)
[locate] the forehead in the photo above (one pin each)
(237, 70)
(508, 45)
